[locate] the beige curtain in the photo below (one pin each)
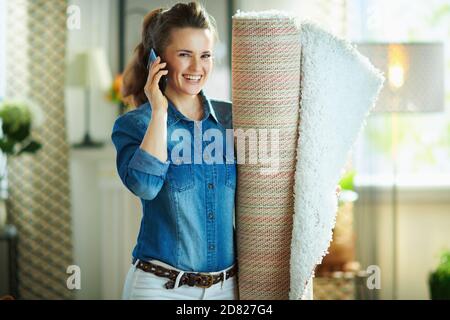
(39, 201)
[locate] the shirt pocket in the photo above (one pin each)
(181, 177)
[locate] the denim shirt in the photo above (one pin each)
(188, 206)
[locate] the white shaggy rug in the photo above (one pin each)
(339, 86)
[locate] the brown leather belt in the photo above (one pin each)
(202, 280)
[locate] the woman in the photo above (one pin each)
(185, 247)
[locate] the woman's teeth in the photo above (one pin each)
(194, 78)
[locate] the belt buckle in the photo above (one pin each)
(209, 283)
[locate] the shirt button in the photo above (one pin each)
(211, 216)
(212, 247)
(210, 186)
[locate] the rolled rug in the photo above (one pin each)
(266, 79)
(284, 230)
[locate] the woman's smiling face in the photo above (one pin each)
(189, 59)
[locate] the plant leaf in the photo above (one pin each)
(32, 147)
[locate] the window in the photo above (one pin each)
(423, 140)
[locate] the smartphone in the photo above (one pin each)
(151, 58)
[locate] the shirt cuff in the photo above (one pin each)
(145, 162)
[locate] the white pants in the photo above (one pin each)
(141, 285)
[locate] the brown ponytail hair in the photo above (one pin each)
(156, 27)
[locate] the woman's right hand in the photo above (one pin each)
(157, 99)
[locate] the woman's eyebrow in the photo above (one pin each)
(189, 51)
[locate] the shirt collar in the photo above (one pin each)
(174, 115)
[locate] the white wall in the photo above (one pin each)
(423, 226)
(106, 218)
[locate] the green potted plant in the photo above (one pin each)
(17, 119)
(439, 279)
